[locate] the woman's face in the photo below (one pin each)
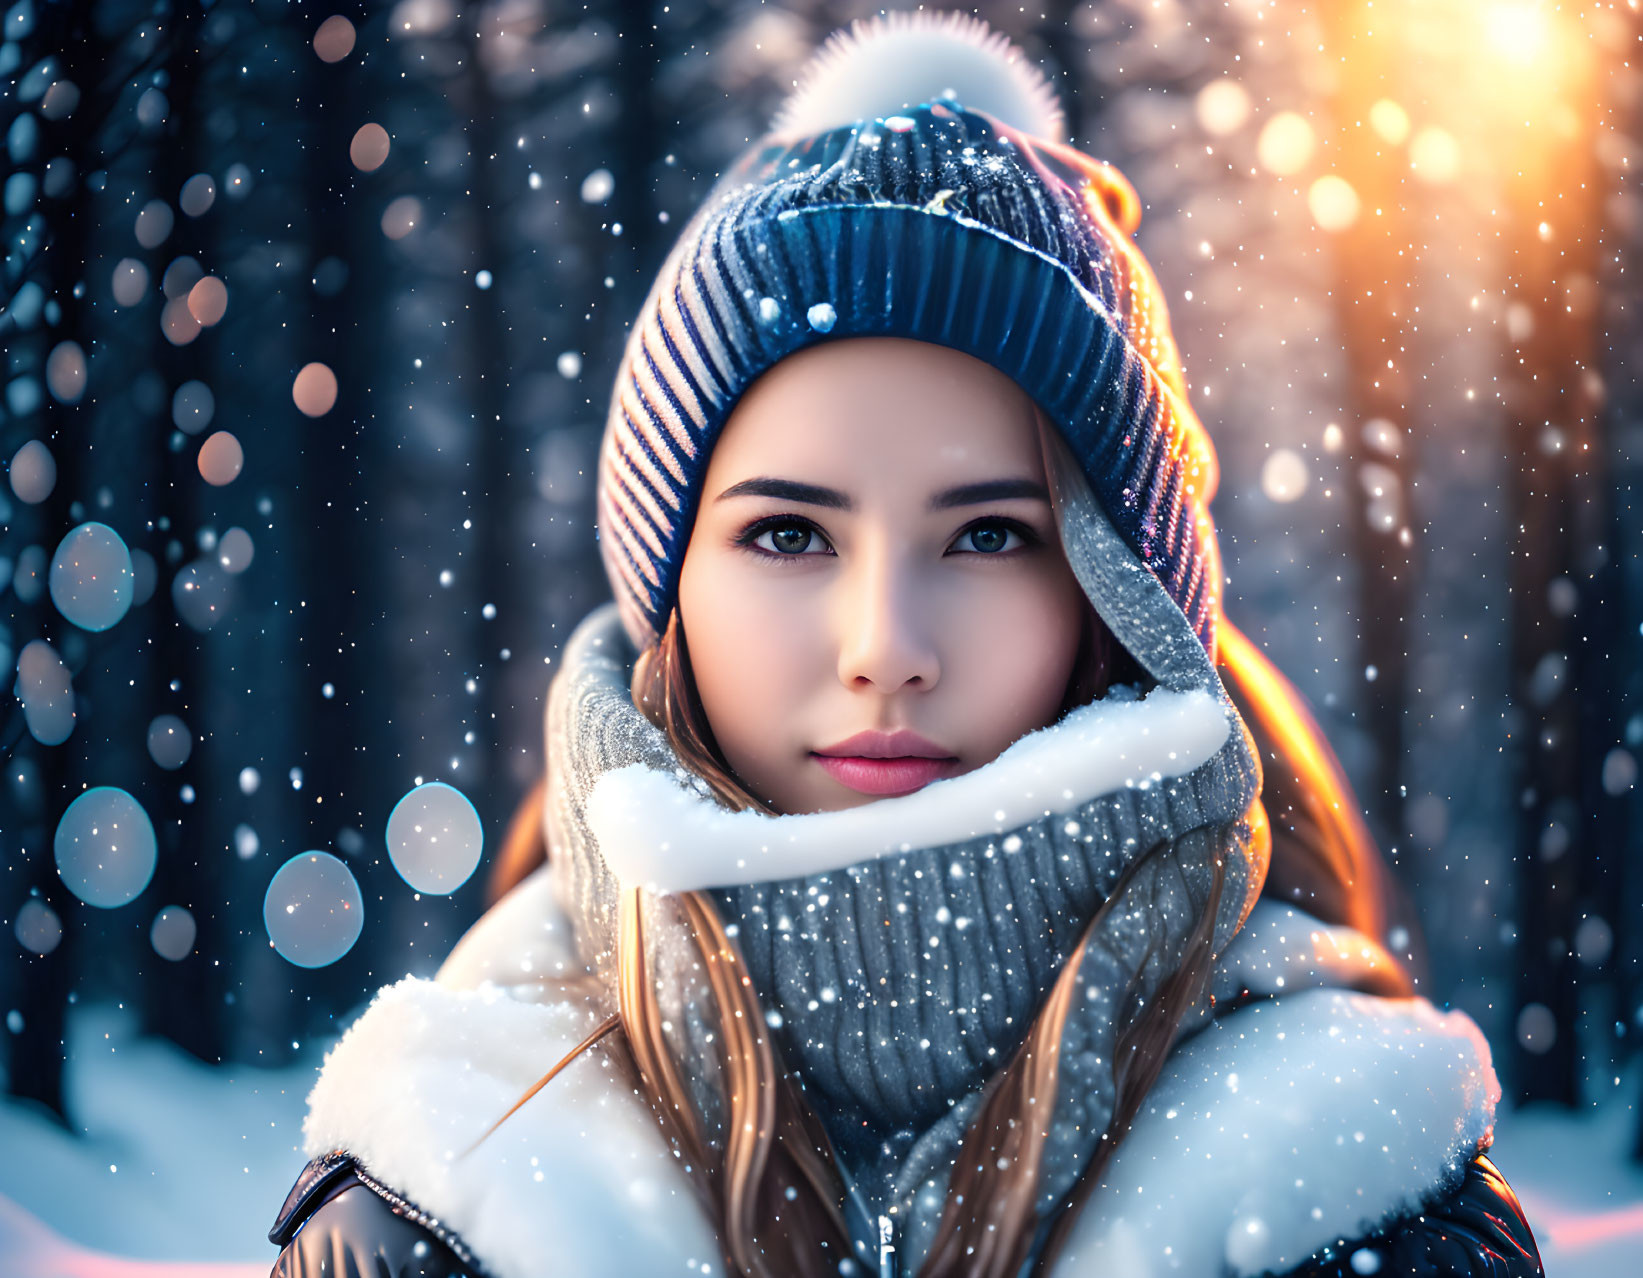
(874, 594)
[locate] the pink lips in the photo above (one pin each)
(886, 763)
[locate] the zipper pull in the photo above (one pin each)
(888, 1268)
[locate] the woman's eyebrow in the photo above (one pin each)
(789, 490)
(815, 495)
(989, 490)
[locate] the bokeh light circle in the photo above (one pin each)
(369, 149)
(315, 390)
(152, 108)
(334, 40)
(154, 223)
(1536, 1028)
(130, 282)
(38, 928)
(66, 372)
(169, 741)
(1435, 155)
(313, 910)
(1284, 475)
(1286, 143)
(235, 550)
(47, 693)
(201, 592)
(1222, 107)
(92, 581)
(33, 472)
(177, 322)
(105, 847)
(181, 277)
(172, 933)
(199, 193)
(400, 218)
(29, 577)
(1333, 202)
(208, 300)
(434, 838)
(192, 407)
(221, 458)
(1390, 120)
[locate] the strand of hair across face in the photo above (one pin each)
(642, 1026)
(751, 1066)
(604, 1027)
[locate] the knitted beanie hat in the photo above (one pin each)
(912, 186)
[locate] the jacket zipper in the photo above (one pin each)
(888, 1260)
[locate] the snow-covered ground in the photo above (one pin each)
(179, 1162)
(181, 1168)
(1582, 1194)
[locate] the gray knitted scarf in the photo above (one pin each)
(902, 949)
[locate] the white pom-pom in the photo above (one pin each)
(890, 63)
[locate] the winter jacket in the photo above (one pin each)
(340, 1223)
(603, 1196)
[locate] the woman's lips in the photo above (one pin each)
(900, 775)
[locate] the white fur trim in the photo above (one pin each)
(889, 63)
(656, 832)
(1281, 949)
(577, 1182)
(522, 937)
(1284, 1127)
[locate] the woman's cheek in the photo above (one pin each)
(1017, 647)
(777, 639)
(757, 656)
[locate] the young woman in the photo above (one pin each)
(934, 882)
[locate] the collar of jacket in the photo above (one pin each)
(1308, 1114)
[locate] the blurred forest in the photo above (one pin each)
(312, 313)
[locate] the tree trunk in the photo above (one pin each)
(1374, 296)
(1555, 502)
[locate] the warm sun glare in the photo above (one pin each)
(1519, 32)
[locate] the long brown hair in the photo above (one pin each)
(770, 1179)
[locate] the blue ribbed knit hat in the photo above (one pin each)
(955, 218)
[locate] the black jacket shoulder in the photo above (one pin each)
(1477, 1231)
(339, 1222)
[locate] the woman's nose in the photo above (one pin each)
(885, 641)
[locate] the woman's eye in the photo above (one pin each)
(989, 539)
(788, 540)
